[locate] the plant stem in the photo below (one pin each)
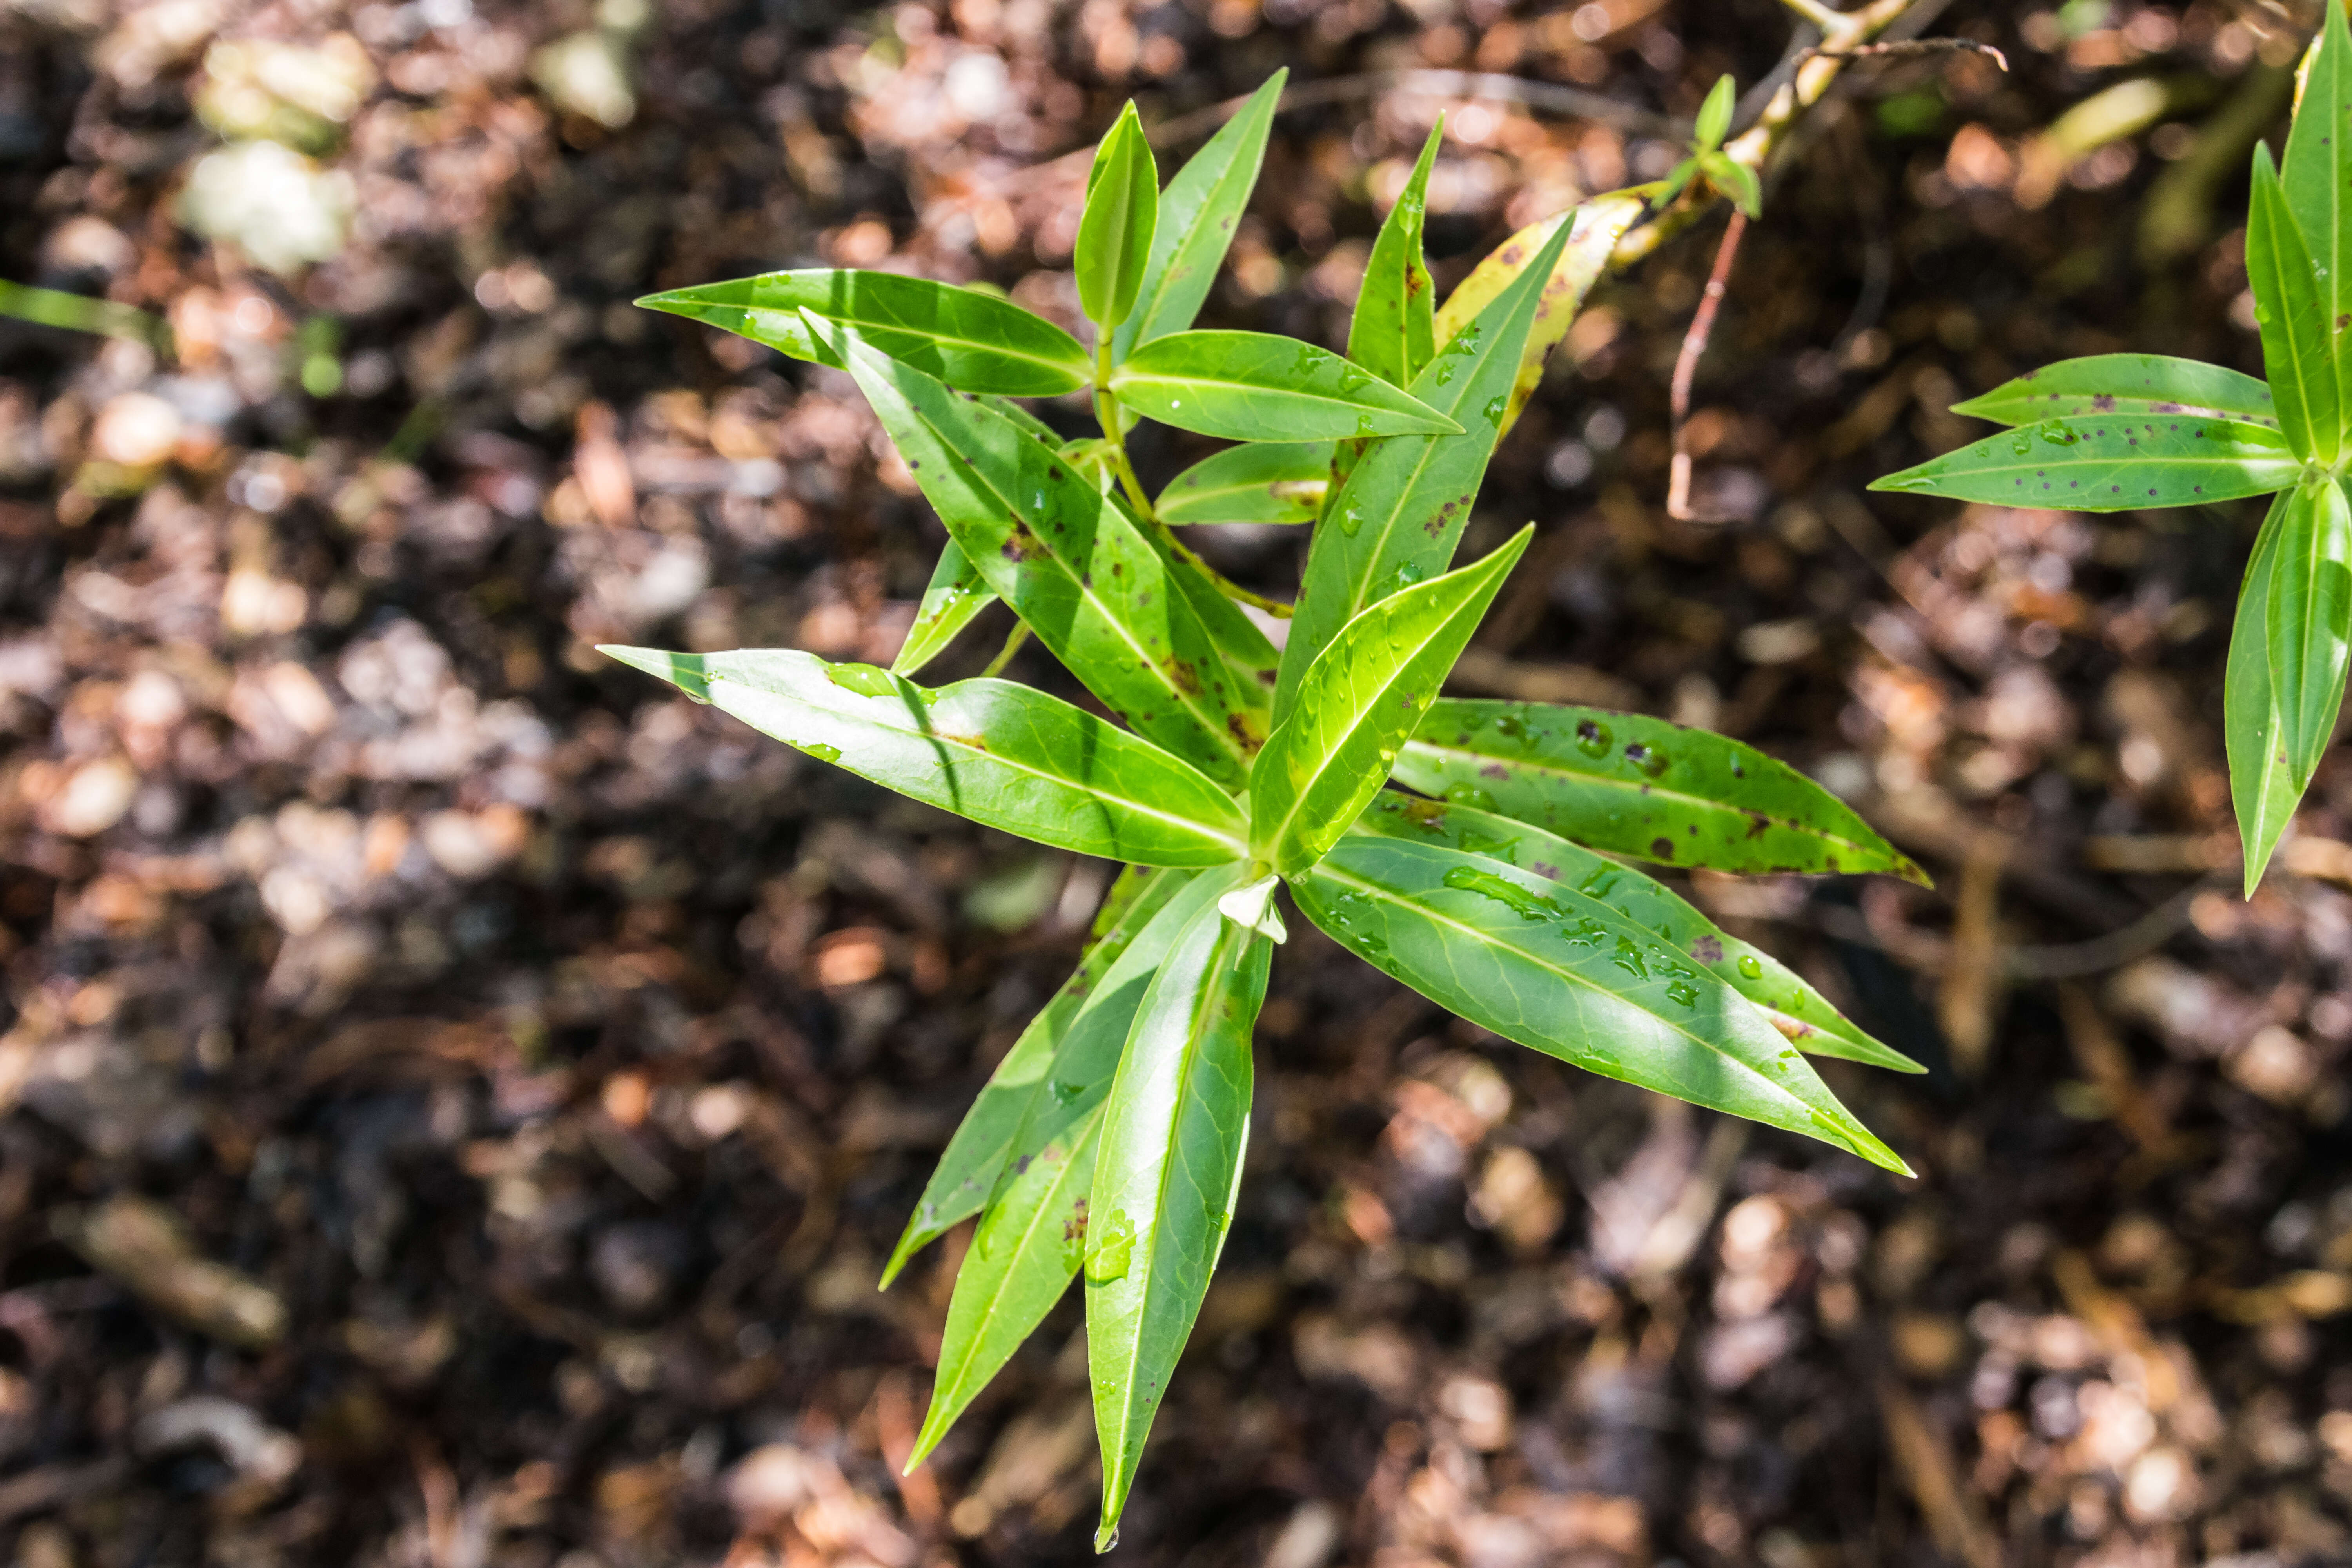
(1106, 414)
(1695, 343)
(1223, 584)
(1013, 642)
(1830, 22)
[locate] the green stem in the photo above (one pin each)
(1015, 642)
(1218, 580)
(1106, 414)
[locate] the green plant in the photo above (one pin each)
(2127, 432)
(1109, 1140)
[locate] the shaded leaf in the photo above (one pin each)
(1396, 519)
(2122, 386)
(2109, 463)
(1197, 215)
(1173, 1138)
(957, 593)
(973, 341)
(1260, 481)
(2309, 617)
(1359, 700)
(1073, 566)
(1563, 974)
(1005, 755)
(1392, 332)
(1115, 231)
(1800, 1012)
(1736, 180)
(2261, 786)
(967, 1173)
(2297, 337)
(1594, 228)
(1635, 785)
(1255, 386)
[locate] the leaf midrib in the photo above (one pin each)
(1001, 760)
(2280, 216)
(1123, 378)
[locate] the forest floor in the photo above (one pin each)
(456, 1095)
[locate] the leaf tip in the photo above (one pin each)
(684, 670)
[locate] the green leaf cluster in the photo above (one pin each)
(1476, 851)
(2124, 432)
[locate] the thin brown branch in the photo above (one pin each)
(1695, 341)
(1908, 48)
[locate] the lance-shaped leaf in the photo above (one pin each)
(2309, 619)
(1800, 1012)
(1640, 786)
(2261, 786)
(1115, 231)
(1714, 115)
(1398, 515)
(973, 341)
(1393, 332)
(2297, 335)
(1173, 1138)
(1260, 481)
(1255, 386)
(2108, 462)
(1072, 565)
(1003, 754)
(2122, 386)
(2316, 182)
(967, 1171)
(1594, 228)
(1197, 215)
(1563, 974)
(1358, 704)
(1044, 1178)
(957, 593)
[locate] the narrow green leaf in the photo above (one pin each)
(2104, 462)
(1398, 515)
(2121, 385)
(1255, 386)
(1359, 702)
(1115, 232)
(1244, 648)
(1073, 566)
(1171, 1144)
(1002, 1293)
(1595, 229)
(2309, 617)
(2316, 181)
(1393, 332)
(2297, 334)
(1003, 754)
(1736, 180)
(1800, 1012)
(976, 1156)
(1566, 974)
(1714, 114)
(1260, 481)
(2261, 786)
(957, 593)
(973, 341)
(1635, 785)
(1197, 215)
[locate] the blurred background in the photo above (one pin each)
(455, 1096)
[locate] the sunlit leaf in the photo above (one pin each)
(1595, 229)
(1800, 1012)
(957, 593)
(1261, 481)
(2316, 181)
(1397, 519)
(1115, 231)
(2121, 385)
(1073, 566)
(2106, 462)
(1359, 700)
(1714, 114)
(1392, 332)
(2309, 617)
(1566, 974)
(1640, 786)
(2290, 308)
(1197, 215)
(1173, 1138)
(1736, 180)
(1255, 387)
(972, 341)
(967, 1173)
(1005, 755)
(2261, 786)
